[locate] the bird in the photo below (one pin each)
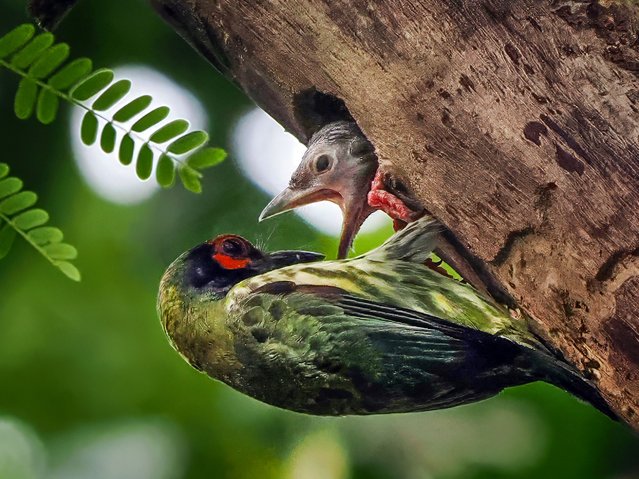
(340, 165)
(378, 333)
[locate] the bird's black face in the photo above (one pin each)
(221, 263)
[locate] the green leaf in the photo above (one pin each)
(112, 95)
(9, 186)
(60, 251)
(107, 140)
(190, 179)
(32, 50)
(71, 73)
(7, 235)
(165, 171)
(31, 218)
(25, 98)
(69, 270)
(132, 108)
(126, 150)
(89, 128)
(4, 170)
(206, 157)
(92, 84)
(151, 118)
(47, 106)
(18, 202)
(169, 131)
(188, 142)
(15, 39)
(45, 234)
(49, 61)
(144, 164)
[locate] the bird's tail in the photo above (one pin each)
(414, 243)
(564, 376)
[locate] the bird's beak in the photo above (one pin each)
(279, 259)
(293, 198)
(354, 210)
(354, 213)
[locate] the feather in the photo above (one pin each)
(413, 244)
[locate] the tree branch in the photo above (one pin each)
(514, 122)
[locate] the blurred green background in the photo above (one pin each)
(90, 386)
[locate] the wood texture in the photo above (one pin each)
(514, 122)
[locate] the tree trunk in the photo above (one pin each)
(514, 122)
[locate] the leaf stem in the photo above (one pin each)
(73, 101)
(24, 234)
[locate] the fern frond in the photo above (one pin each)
(19, 217)
(45, 80)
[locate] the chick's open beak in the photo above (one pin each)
(291, 198)
(354, 211)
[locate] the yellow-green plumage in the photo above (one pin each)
(377, 333)
(414, 286)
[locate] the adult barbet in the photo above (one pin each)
(378, 333)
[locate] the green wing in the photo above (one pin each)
(366, 357)
(339, 352)
(490, 362)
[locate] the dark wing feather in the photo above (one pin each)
(486, 352)
(355, 306)
(484, 349)
(361, 307)
(425, 362)
(444, 363)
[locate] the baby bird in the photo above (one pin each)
(339, 166)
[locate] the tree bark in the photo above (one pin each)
(514, 122)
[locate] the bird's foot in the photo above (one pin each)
(397, 208)
(380, 198)
(515, 313)
(438, 268)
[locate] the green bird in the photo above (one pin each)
(379, 333)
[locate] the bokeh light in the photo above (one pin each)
(102, 171)
(21, 452)
(320, 455)
(141, 449)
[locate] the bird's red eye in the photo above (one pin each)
(234, 247)
(231, 252)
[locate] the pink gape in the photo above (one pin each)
(390, 204)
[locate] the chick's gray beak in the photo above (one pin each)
(293, 198)
(354, 211)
